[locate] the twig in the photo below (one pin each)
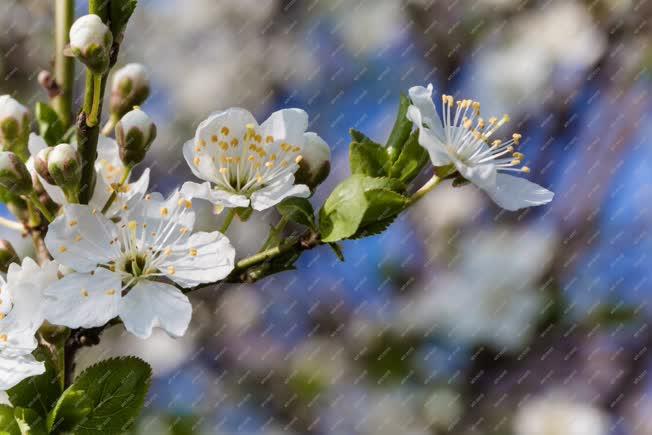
(64, 67)
(11, 224)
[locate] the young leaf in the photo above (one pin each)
(29, 422)
(8, 425)
(400, 131)
(113, 390)
(49, 125)
(359, 201)
(120, 12)
(368, 158)
(411, 160)
(298, 210)
(358, 136)
(38, 393)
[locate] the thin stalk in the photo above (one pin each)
(431, 184)
(64, 66)
(114, 194)
(39, 205)
(227, 222)
(274, 233)
(94, 116)
(11, 224)
(110, 125)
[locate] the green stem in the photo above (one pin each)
(114, 194)
(39, 205)
(274, 233)
(227, 222)
(64, 66)
(431, 184)
(93, 118)
(110, 125)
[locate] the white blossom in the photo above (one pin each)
(462, 139)
(109, 169)
(557, 413)
(491, 296)
(244, 163)
(21, 314)
(119, 265)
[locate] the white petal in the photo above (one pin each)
(422, 100)
(288, 125)
(429, 140)
(133, 194)
(201, 164)
(35, 144)
(15, 369)
(273, 194)
(55, 192)
(109, 151)
(82, 239)
(482, 176)
(26, 283)
(235, 119)
(153, 304)
(204, 191)
(84, 300)
(203, 258)
(513, 193)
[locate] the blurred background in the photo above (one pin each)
(461, 318)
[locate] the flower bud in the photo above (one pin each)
(129, 88)
(41, 164)
(135, 132)
(64, 166)
(7, 255)
(315, 164)
(90, 41)
(14, 126)
(14, 175)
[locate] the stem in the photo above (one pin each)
(93, 118)
(227, 222)
(114, 194)
(431, 184)
(110, 125)
(64, 66)
(11, 224)
(39, 205)
(274, 233)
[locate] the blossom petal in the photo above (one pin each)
(84, 300)
(480, 175)
(513, 193)
(153, 304)
(125, 200)
(422, 100)
(220, 197)
(429, 140)
(234, 119)
(35, 144)
(26, 283)
(201, 164)
(13, 370)
(81, 238)
(283, 188)
(203, 258)
(288, 125)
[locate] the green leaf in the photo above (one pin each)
(337, 250)
(113, 390)
(29, 422)
(410, 161)
(400, 131)
(357, 202)
(298, 210)
(368, 158)
(38, 393)
(49, 125)
(120, 12)
(8, 425)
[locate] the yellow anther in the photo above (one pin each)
(493, 120)
(296, 149)
(196, 161)
(213, 138)
(3, 337)
(234, 142)
(269, 139)
(148, 197)
(269, 164)
(171, 270)
(517, 138)
(518, 156)
(505, 118)
(110, 292)
(193, 252)
(2, 316)
(167, 251)
(224, 145)
(224, 130)
(133, 225)
(525, 169)
(184, 230)
(164, 211)
(467, 124)
(72, 223)
(516, 162)
(84, 292)
(223, 170)
(183, 202)
(62, 249)
(297, 159)
(258, 138)
(481, 123)
(201, 142)
(78, 238)
(496, 143)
